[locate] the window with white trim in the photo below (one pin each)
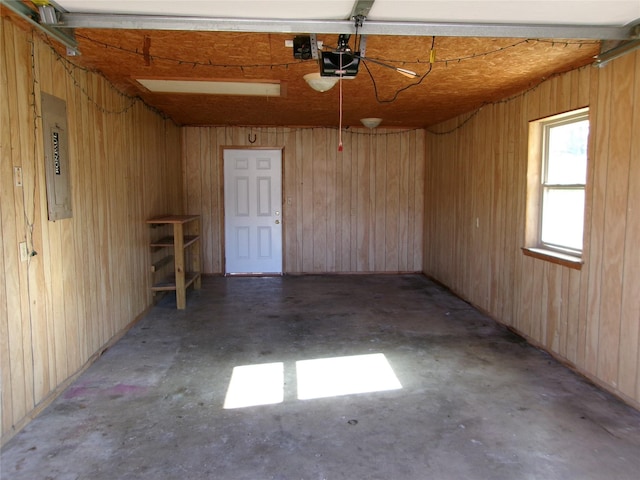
(557, 181)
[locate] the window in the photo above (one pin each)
(556, 184)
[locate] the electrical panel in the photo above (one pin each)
(56, 157)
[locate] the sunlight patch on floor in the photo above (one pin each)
(332, 377)
(253, 385)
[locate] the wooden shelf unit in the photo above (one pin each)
(185, 243)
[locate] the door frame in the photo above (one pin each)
(223, 220)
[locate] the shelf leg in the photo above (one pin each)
(181, 294)
(196, 259)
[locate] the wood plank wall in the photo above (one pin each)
(356, 211)
(90, 278)
(475, 223)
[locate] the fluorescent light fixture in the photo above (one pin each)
(332, 377)
(212, 87)
(253, 385)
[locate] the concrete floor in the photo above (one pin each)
(476, 401)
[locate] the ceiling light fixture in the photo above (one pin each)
(371, 122)
(320, 83)
(213, 87)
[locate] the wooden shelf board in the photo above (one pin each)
(169, 284)
(163, 242)
(161, 263)
(192, 277)
(173, 219)
(170, 242)
(190, 239)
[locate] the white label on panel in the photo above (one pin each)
(242, 241)
(264, 196)
(242, 196)
(58, 144)
(264, 242)
(264, 164)
(242, 163)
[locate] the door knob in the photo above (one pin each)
(277, 222)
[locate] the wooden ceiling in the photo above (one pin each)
(464, 74)
(467, 73)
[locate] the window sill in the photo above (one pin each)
(554, 257)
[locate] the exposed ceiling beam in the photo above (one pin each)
(371, 27)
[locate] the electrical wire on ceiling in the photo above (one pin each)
(70, 67)
(475, 112)
(407, 87)
(209, 63)
(194, 63)
(431, 60)
(530, 41)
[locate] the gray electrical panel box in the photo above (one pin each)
(56, 157)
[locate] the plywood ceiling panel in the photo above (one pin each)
(467, 72)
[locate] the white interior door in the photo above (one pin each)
(253, 211)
